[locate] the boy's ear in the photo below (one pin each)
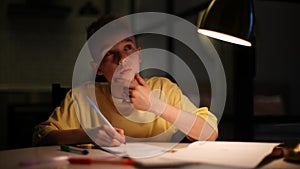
(96, 68)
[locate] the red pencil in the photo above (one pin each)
(86, 160)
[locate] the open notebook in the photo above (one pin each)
(218, 153)
(222, 153)
(139, 150)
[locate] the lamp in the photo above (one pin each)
(228, 20)
(233, 21)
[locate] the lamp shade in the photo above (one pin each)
(228, 20)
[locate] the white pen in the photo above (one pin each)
(93, 105)
(98, 111)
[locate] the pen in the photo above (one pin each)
(73, 149)
(93, 105)
(98, 111)
(86, 160)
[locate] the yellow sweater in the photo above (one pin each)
(75, 112)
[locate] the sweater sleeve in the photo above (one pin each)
(203, 112)
(174, 96)
(62, 118)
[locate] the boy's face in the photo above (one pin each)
(115, 57)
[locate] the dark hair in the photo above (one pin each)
(101, 21)
(93, 27)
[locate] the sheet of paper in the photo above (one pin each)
(234, 154)
(138, 150)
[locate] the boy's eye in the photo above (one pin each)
(128, 47)
(108, 53)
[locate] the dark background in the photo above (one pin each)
(40, 42)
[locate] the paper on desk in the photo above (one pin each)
(234, 154)
(137, 150)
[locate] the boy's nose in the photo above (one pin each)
(122, 58)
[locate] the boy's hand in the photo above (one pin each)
(107, 136)
(139, 94)
(142, 98)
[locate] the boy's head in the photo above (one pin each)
(101, 21)
(108, 47)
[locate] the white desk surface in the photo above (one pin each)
(10, 159)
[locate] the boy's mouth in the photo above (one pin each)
(126, 71)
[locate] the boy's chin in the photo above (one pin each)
(125, 81)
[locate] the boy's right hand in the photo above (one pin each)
(107, 136)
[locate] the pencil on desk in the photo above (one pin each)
(86, 160)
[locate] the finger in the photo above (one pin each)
(119, 137)
(134, 94)
(114, 134)
(121, 131)
(107, 142)
(133, 83)
(102, 138)
(109, 130)
(139, 79)
(115, 143)
(130, 93)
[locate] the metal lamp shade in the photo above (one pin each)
(228, 20)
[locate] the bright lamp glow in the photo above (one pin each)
(224, 37)
(228, 20)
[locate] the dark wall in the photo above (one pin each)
(41, 49)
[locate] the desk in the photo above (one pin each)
(12, 158)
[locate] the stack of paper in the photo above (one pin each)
(234, 154)
(225, 154)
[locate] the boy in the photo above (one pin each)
(141, 109)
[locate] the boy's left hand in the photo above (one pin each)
(139, 94)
